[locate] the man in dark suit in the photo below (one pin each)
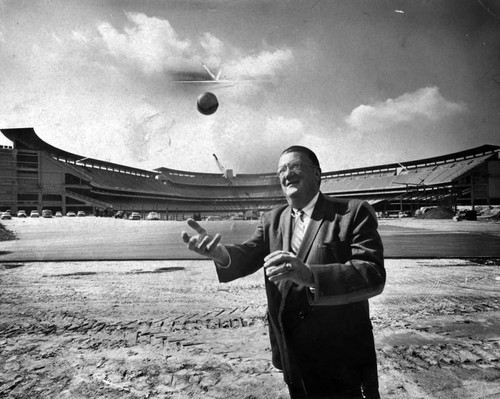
(323, 260)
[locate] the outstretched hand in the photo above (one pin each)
(205, 244)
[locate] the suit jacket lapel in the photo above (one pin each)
(317, 218)
(286, 228)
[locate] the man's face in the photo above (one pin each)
(299, 178)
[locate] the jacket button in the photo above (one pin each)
(302, 314)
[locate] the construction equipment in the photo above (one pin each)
(228, 175)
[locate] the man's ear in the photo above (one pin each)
(318, 175)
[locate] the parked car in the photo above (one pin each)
(119, 215)
(467, 214)
(34, 214)
(239, 216)
(80, 214)
(135, 216)
(21, 214)
(209, 218)
(70, 214)
(46, 213)
(5, 216)
(153, 216)
(58, 214)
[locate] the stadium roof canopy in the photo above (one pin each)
(429, 171)
(28, 139)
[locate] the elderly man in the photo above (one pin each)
(323, 260)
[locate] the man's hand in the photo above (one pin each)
(204, 244)
(282, 265)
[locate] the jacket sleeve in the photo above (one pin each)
(362, 275)
(246, 258)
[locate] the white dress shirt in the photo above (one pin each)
(308, 210)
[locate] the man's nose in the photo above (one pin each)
(286, 174)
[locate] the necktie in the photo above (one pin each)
(298, 231)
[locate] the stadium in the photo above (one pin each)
(34, 175)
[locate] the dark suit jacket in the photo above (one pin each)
(331, 326)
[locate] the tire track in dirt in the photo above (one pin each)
(471, 355)
(174, 331)
(149, 332)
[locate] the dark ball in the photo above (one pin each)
(207, 103)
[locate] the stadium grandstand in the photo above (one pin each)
(35, 175)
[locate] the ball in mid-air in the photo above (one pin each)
(207, 103)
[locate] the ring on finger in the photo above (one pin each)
(288, 267)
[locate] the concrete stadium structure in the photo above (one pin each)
(35, 175)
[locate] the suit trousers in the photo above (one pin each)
(335, 364)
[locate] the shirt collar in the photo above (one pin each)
(309, 208)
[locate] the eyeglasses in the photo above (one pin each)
(294, 167)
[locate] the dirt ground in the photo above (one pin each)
(168, 329)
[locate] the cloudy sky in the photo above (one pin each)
(360, 82)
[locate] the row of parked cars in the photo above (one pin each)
(46, 213)
(136, 215)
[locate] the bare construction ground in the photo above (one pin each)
(168, 329)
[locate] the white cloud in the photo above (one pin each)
(425, 104)
(265, 63)
(154, 46)
(151, 42)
